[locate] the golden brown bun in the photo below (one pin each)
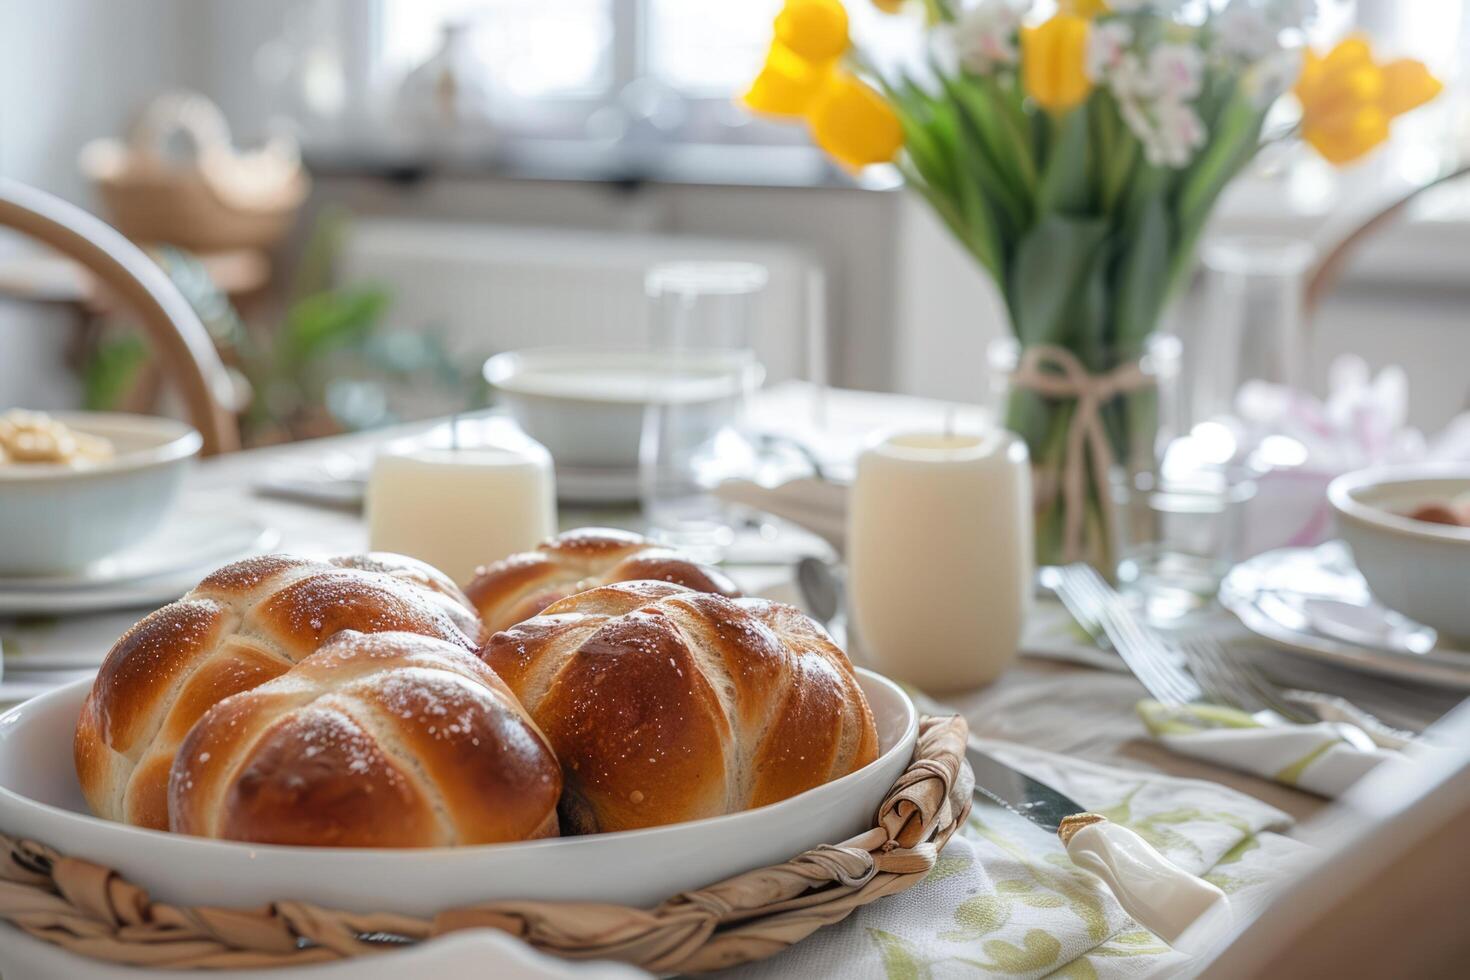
(243, 625)
(382, 740)
(664, 704)
(516, 588)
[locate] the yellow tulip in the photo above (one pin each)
(787, 84)
(813, 29)
(1084, 8)
(1348, 99)
(853, 123)
(1407, 85)
(1053, 62)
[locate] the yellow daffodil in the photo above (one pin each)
(1348, 99)
(1053, 62)
(1084, 8)
(854, 123)
(787, 84)
(813, 29)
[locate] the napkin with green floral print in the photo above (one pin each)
(1314, 757)
(1005, 901)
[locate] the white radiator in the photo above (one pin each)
(490, 288)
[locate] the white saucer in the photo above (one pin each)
(1312, 601)
(160, 569)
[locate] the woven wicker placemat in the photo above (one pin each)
(92, 910)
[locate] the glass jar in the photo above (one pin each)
(1093, 421)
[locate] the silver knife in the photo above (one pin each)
(1185, 911)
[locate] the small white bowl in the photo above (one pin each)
(40, 800)
(1414, 567)
(586, 404)
(56, 518)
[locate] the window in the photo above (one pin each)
(529, 49)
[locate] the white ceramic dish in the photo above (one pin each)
(162, 567)
(40, 800)
(586, 404)
(56, 518)
(1313, 602)
(1417, 568)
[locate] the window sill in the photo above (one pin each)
(623, 164)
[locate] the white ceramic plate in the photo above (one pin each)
(167, 564)
(1313, 602)
(40, 800)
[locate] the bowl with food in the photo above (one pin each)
(76, 487)
(1409, 531)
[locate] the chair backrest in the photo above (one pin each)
(1330, 267)
(1389, 890)
(188, 355)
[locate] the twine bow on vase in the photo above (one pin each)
(1056, 373)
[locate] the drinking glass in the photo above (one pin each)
(701, 317)
(1252, 327)
(1185, 525)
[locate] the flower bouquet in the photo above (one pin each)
(1077, 157)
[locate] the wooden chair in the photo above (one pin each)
(183, 345)
(1330, 267)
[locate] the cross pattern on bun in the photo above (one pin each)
(384, 740)
(666, 704)
(243, 625)
(516, 588)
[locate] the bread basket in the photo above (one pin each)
(77, 900)
(209, 198)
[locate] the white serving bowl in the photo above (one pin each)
(40, 800)
(56, 518)
(1414, 567)
(586, 404)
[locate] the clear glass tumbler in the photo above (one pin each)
(702, 316)
(1252, 327)
(1185, 524)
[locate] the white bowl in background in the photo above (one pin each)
(57, 518)
(41, 800)
(1415, 567)
(586, 404)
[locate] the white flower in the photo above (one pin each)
(1179, 133)
(1169, 132)
(1107, 43)
(1176, 70)
(1129, 81)
(1246, 32)
(985, 36)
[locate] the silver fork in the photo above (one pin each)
(1084, 593)
(1215, 675)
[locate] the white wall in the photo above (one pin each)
(71, 70)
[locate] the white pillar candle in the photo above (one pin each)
(461, 506)
(939, 552)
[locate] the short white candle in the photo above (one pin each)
(458, 507)
(939, 551)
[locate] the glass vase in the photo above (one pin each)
(1094, 422)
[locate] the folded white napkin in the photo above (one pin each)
(1315, 758)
